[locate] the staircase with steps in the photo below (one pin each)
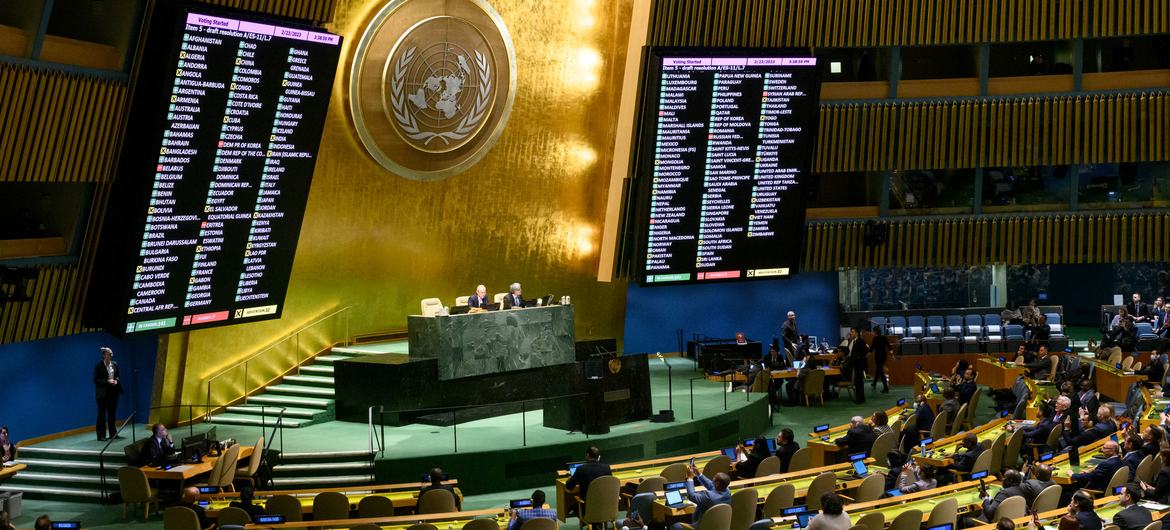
(68, 474)
(306, 396)
(332, 469)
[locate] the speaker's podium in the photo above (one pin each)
(611, 390)
(472, 366)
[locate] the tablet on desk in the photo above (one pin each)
(729, 452)
(860, 469)
(803, 518)
(674, 499)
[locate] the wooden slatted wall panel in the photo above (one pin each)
(308, 10)
(1024, 131)
(846, 23)
(1048, 239)
(57, 127)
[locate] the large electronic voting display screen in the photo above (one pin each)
(214, 172)
(728, 140)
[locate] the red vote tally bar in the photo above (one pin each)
(718, 275)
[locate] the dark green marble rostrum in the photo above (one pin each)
(494, 342)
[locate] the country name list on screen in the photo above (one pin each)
(239, 128)
(731, 147)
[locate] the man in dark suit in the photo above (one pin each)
(1088, 398)
(513, 298)
(1011, 488)
(966, 386)
(436, 477)
(786, 446)
(1102, 428)
(1041, 479)
(858, 354)
(790, 336)
(107, 387)
(592, 468)
(1132, 516)
(1038, 433)
(881, 347)
(479, 299)
(859, 438)
(965, 461)
(923, 420)
(191, 501)
(1138, 309)
(1081, 511)
(1133, 455)
(1098, 479)
(158, 447)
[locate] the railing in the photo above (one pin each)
(276, 434)
(377, 434)
(254, 372)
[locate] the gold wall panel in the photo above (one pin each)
(849, 23)
(530, 211)
(943, 242)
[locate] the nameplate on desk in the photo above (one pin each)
(616, 395)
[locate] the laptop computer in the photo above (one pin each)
(729, 452)
(803, 518)
(860, 470)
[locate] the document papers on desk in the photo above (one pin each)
(180, 469)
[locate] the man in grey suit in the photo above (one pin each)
(1132, 516)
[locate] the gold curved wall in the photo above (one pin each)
(530, 211)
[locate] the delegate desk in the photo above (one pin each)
(1114, 383)
(10, 471)
(740, 377)
(996, 374)
(399, 522)
(184, 472)
(1062, 471)
(404, 496)
(819, 447)
(801, 480)
(966, 493)
(629, 473)
(925, 385)
(941, 452)
(1106, 508)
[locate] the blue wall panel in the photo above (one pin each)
(758, 308)
(48, 385)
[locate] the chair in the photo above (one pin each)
(907, 520)
(285, 505)
(134, 487)
(436, 501)
(718, 464)
(844, 384)
(484, 524)
(1127, 362)
(762, 381)
(916, 326)
(1120, 477)
(873, 521)
(997, 449)
(882, 446)
(954, 325)
(993, 324)
(538, 524)
(1013, 332)
(1053, 438)
(367, 526)
(973, 325)
(782, 496)
(1011, 453)
(649, 485)
(422, 526)
(1136, 366)
(814, 385)
(375, 506)
(762, 524)
(601, 503)
(768, 466)
(1156, 525)
(333, 505)
(982, 463)
(1048, 499)
(1012, 508)
(717, 517)
(498, 298)
(824, 483)
(431, 306)
(801, 460)
(462, 300)
(1145, 470)
(180, 518)
(676, 472)
(945, 512)
(223, 472)
(960, 416)
(897, 326)
(973, 406)
(934, 326)
(938, 430)
(249, 472)
(870, 489)
(1110, 527)
(232, 515)
(642, 504)
(743, 508)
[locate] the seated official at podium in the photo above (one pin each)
(158, 447)
(513, 298)
(479, 299)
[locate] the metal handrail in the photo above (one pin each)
(294, 334)
(102, 453)
(454, 419)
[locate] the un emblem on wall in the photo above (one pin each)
(431, 85)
